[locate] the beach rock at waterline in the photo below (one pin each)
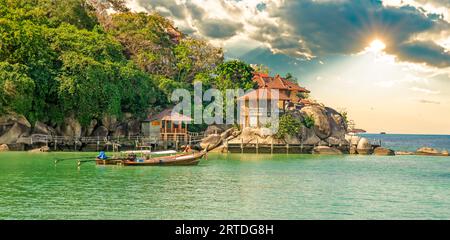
(404, 153)
(309, 137)
(427, 151)
(100, 131)
(211, 141)
(41, 149)
(13, 133)
(364, 147)
(445, 153)
(324, 150)
(353, 150)
(4, 148)
(322, 126)
(381, 151)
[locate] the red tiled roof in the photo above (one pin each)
(264, 93)
(167, 115)
(265, 81)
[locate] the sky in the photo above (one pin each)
(387, 63)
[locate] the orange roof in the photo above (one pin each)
(265, 81)
(168, 115)
(264, 93)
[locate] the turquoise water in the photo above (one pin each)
(411, 142)
(232, 186)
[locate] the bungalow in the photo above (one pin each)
(288, 93)
(166, 126)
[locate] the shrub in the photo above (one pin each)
(308, 121)
(288, 125)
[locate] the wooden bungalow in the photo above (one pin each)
(167, 126)
(288, 93)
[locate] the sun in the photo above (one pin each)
(376, 46)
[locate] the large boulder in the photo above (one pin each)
(14, 133)
(70, 128)
(88, 130)
(211, 142)
(324, 150)
(134, 127)
(322, 127)
(4, 148)
(364, 147)
(428, 151)
(381, 151)
(110, 122)
(42, 128)
(41, 149)
(100, 131)
(121, 131)
(309, 137)
(337, 124)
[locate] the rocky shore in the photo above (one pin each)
(328, 136)
(16, 130)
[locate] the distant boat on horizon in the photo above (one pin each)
(382, 132)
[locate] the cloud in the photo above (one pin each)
(319, 28)
(429, 101)
(424, 52)
(425, 90)
(217, 28)
(347, 27)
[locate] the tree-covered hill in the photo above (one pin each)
(74, 58)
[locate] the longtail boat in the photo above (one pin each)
(130, 159)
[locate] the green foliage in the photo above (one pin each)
(16, 88)
(288, 125)
(308, 121)
(234, 74)
(344, 115)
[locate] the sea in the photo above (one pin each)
(233, 186)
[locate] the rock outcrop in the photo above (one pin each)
(381, 151)
(322, 127)
(42, 128)
(324, 150)
(12, 127)
(427, 151)
(364, 147)
(70, 128)
(4, 148)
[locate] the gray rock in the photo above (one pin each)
(324, 150)
(70, 128)
(322, 126)
(110, 122)
(427, 151)
(100, 131)
(134, 127)
(12, 135)
(211, 142)
(381, 151)
(87, 131)
(121, 131)
(42, 128)
(364, 147)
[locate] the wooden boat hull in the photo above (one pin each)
(177, 160)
